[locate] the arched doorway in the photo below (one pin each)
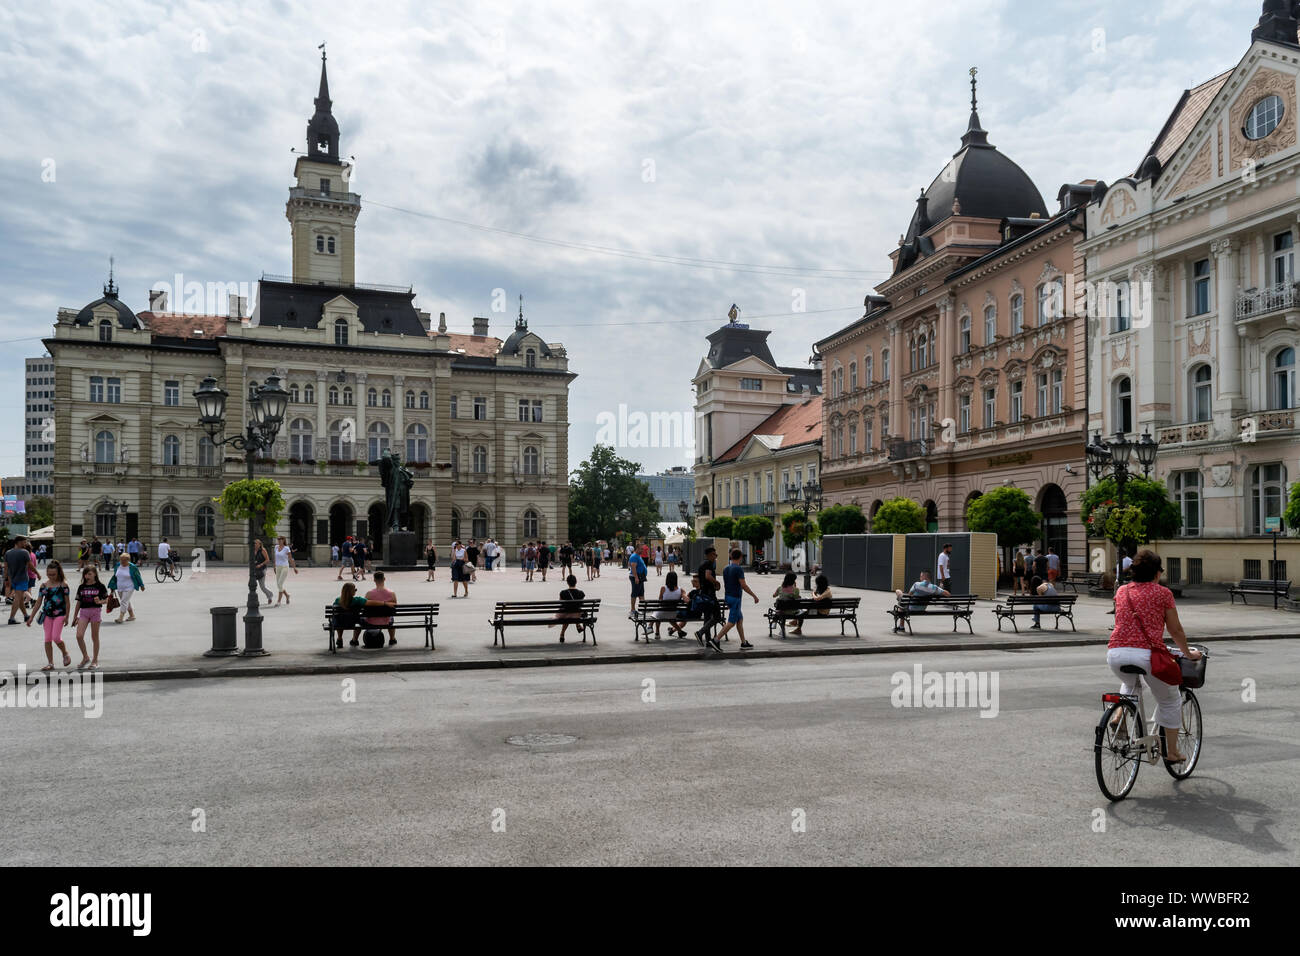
(1056, 522)
(931, 517)
(420, 523)
(301, 527)
(875, 506)
(966, 507)
(340, 522)
(375, 519)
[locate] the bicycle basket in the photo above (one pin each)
(1193, 671)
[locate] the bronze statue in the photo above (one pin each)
(397, 489)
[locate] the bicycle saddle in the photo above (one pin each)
(1132, 669)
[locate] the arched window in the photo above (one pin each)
(1282, 381)
(455, 460)
(106, 521)
(207, 452)
(479, 524)
(1122, 319)
(410, 399)
(329, 244)
(340, 331)
(341, 439)
(990, 324)
(170, 525)
(530, 460)
(294, 395)
(1201, 398)
(922, 351)
(417, 442)
(964, 334)
(531, 524)
(1017, 314)
(424, 400)
(347, 395)
(300, 439)
(455, 524)
(171, 450)
(1266, 486)
(105, 330)
(105, 447)
(372, 397)
(853, 376)
(1122, 408)
(309, 394)
(379, 437)
(333, 395)
(320, 243)
(480, 460)
(868, 370)
(530, 358)
(205, 522)
(386, 398)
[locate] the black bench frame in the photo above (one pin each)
(543, 614)
(424, 616)
(644, 623)
(960, 607)
(1024, 604)
(845, 610)
(1090, 579)
(1258, 586)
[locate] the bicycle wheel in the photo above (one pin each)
(176, 571)
(1117, 758)
(1189, 738)
(160, 573)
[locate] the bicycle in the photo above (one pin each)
(1118, 755)
(167, 568)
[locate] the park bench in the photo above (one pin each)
(1061, 606)
(424, 616)
(1258, 586)
(644, 622)
(844, 610)
(959, 607)
(1089, 579)
(543, 614)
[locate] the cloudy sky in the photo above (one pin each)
(632, 169)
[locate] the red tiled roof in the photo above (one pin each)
(797, 424)
(481, 346)
(184, 325)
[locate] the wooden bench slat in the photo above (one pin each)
(844, 610)
(960, 607)
(427, 615)
(517, 613)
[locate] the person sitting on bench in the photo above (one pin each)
(350, 605)
(821, 592)
(380, 597)
(918, 593)
(572, 599)
(1046, 589)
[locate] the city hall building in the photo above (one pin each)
(1195, 254)
(481, 421)
(966, 372)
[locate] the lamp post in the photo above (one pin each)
(1111, 459)
(266, 407)
(806, 499)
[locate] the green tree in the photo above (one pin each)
(1005, 512)
(1161, 515)
(40, 512)
(259, 498)
(899, 516)
(1291, 516)
(754, 530)
(723, 526)
(842, 519)
(795, 530)
(606, 497)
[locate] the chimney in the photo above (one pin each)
(157, 300)
(238, 304)
(480, 325)
(442, 323)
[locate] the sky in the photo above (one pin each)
(631, 169)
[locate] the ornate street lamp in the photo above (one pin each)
(806, 499)
(266, 406)
(1111, 459)
(1147, 449)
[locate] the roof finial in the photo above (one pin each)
(521, 324)
(111, 288)
(973, 71)
(975, 134)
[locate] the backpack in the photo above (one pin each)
(372, 638)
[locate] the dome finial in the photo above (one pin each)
(974, 70)
(975, 134)
(521, 324)
(110, 290)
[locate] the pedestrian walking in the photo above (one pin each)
(733, 583)
(1053, 565)
(360, 557)
(636, 573)
(261, 561)
(18, 581)
(659, 562)
(944, 576)
(133, 550)
(543, 559)
(283, 563)
(345, 560)
(124, 582)
(431, 561)
(106, 552)
(471, 559)
(459, 576)
(706, 601)
(334, 555)
(54, 601)
(91, 598)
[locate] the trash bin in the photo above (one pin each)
(224, 642)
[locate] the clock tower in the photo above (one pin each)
(322, 213)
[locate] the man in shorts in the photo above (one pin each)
(345, 560)
(733, 584)
(17, 578)
(636, 573)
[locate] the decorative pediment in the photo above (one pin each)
(1119, 204)
(1049, 356)
(988, 377)
(1017, 288)
(1265, 82)
(964, 385)
(1016, 369)
(1049, 272)
(919, 393)
(990, 299)
(883, 407)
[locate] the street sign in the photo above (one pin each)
(1273, 525)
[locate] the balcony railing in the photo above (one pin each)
(300, 192)
(761, 509)
(1253, 303)
(901, 449)
(107, 467)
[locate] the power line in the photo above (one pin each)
(756, 268)
(713, 318)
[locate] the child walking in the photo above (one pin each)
(54, 600)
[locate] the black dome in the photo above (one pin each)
(125, 317)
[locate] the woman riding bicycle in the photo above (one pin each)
(1143, 610)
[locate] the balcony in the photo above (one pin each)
(1186, 432)
(765, 510)
(1257, 303)
(299, 192)
(901, 449)
(209, 471)
(1272, 423)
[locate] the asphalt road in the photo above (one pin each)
(720, 768)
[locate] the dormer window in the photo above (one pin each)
(106, 331)
(530, 358)
(340, 331)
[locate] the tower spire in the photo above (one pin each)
(322, 128)
(110, 290)
(975, 133)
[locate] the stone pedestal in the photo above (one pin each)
(401, 551)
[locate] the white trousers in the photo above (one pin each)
(124, 596)
(1169, 697)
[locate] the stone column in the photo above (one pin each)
(399, 421)
(896, 372)
(1229, 398)
(322, 412)
(946, 347)
(360, 447)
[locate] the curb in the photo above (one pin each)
(375, 667)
